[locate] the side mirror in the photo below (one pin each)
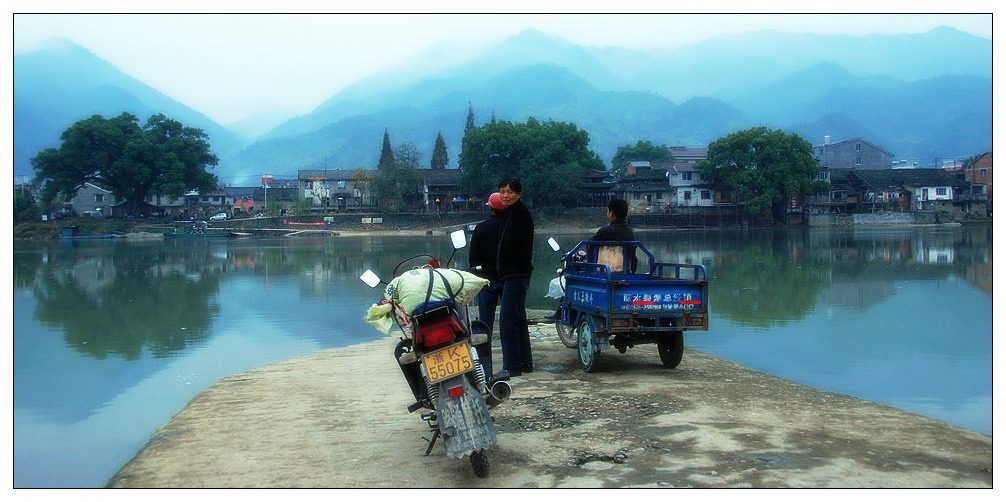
(458, 239)
(370, 278)
(553, 243)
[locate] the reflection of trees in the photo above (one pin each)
(764, 285)
(133, 305)
(26, 266)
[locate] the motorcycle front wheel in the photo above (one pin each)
(566, 335)
(480, 463)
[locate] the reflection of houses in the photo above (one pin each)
(934, 255)
(855, 153)
(93, 274)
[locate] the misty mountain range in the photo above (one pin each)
(920, 96)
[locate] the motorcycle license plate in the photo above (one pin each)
(447, 362)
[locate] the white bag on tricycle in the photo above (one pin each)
(556, 288)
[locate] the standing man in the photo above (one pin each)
(482, 254)
(513, 265)
(618, 229)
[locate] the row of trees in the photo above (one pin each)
(761, 166)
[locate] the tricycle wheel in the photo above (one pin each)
(566, 335)
(671, 346)
(480, 463)
(587, 352)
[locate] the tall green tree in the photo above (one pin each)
(397, 182)
(387, 156)
(470, 120)
(25, 208)
(551, 159)
(162, 157)
(439, 158)
(644, 151)
(764, 168)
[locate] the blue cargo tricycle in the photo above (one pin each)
(606, 303)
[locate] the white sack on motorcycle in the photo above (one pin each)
(409, 290)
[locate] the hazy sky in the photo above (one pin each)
(232, 66)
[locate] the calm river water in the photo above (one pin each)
(113, 338)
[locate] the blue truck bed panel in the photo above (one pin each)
(669, 290)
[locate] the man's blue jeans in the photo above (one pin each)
(514, 337)
(488, 297)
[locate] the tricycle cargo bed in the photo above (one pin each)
(669, 296)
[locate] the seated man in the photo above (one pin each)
(618, 229)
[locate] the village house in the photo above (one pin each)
(900, 190)
(244, 200)
(93, 200)
(688, 188)
(440, 191)
(979, 173)
(644, 187)
(212, 202)
(598, 188)
(329, 188)
(688, 154)
(163, 205)
(855, 153)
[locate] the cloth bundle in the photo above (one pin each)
(419, 286)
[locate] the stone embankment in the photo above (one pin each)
(337, 418)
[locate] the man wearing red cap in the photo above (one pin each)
(482, 258)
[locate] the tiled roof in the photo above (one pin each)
(856, 139)
(238, 192)
(325, 174)
(884, 178)
(688, 151)
(646, 174)
(441, 176)
(647, 179)
(681, 167)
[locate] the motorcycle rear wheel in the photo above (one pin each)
(480, 463)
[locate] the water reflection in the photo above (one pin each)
(765, 278)
(114, 306)
(112, 338)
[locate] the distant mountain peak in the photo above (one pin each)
(62, 46)
(533, 40)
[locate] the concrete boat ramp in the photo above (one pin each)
(337, 418)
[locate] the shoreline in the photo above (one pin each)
(408, 226)
(316, 421)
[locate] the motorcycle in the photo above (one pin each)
(440, 363)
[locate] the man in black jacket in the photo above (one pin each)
(513, 265)
(482, 255)
(618, 229)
